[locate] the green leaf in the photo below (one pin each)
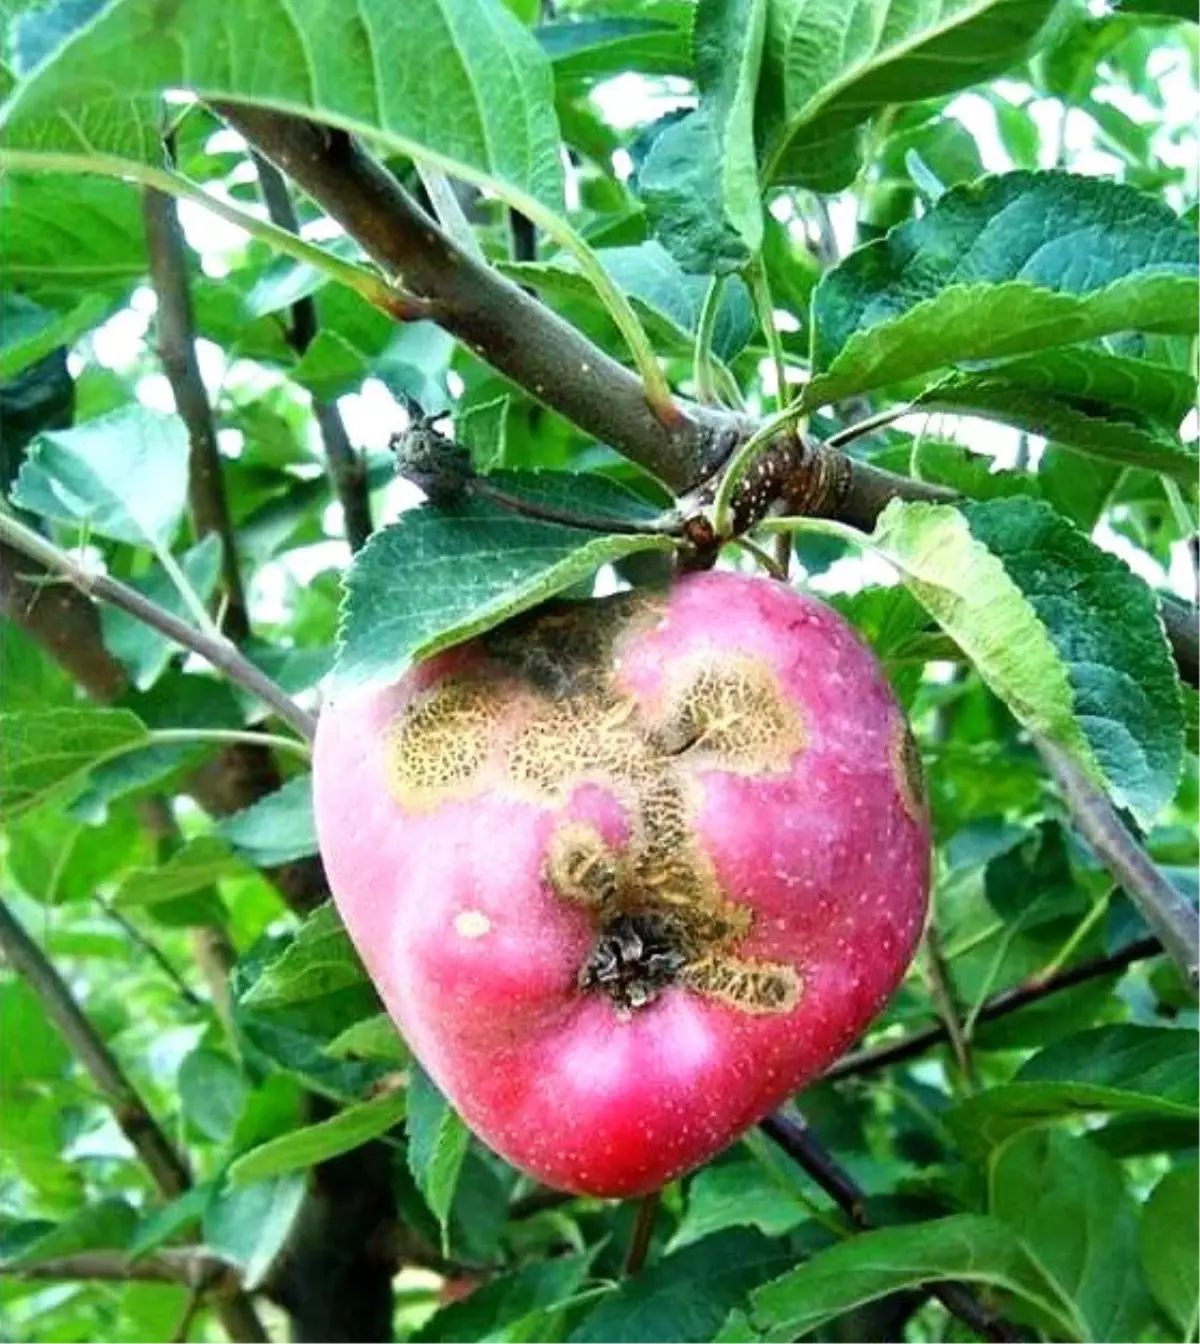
(319, 960)
(828, 67)
(1150, 1071)
(1121, 437)
(737, 1194)
(56, 859)
(194, 868)
(372, 1038)
(466, 568)
(42, 753)
(248, 1224)
(29, 333)
(1170, 1246)
(700, 179)
(1061, 631)
(107, 1225)
(330, 64)
(1106, 628)
(123, 475)
(142, 650)
(1001, 268)
(667, 299)
(966, 1247)
(1068, 1203)
(507, 1306)
(169, 1220)
(276, 829)
(212, 1093)
(437, 1145)
(304, 1148)
(686, 1296)
(591, 49)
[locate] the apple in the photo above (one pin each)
(630, 872)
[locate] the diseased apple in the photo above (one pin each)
(629, 872)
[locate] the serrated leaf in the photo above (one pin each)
(1107, 1070)
(1117, 436)
(700, 180)
(1068, 1203)
(372, 1038)
(328, 63)
(41, 753)
(304, 1148)
(1170, 1246)
(466, 568)
(828, 67)
(319, 960)
(737, 1194)
(667, 299)
(123, 475)
(248, 1224)
(1105, 625)
(437, 1145)
(141, 649)
(1000, 268)
(685, 1297)
(276, 829)
(967, 1247)
(1061, 631)
(194, 868)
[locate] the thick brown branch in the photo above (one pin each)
(347, 470)
(1180, 620)
(516, 334)
(1010, 1000)
(207, 501)
(792, 1133)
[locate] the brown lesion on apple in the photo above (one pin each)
(908, 771)
(547, 703)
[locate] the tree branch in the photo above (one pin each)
(793, 1135)
(219, 653)
(207, 501)
(190, 1265)
(1010, 1000)
(1180, 620)
(347, 470)
(945, 999)
(155, 953)
(1166, 910)
(514, 332)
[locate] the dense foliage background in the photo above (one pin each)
(206, 1123)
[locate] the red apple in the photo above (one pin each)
(630, 872)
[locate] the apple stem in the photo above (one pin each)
(643, 1230)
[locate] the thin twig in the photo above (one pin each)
(219, 653)
(208, 503)
(347, 470)
(860, 428)
(155, 953)
(187, 1317)
(1010, 1000)
(156, 1151)
(190, 1265)
(1166, 910)
(161, 1159)
(945, 998)
(793, 1134)
(643, 1233)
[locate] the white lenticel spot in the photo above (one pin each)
(472, 924)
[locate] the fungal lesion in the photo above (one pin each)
(659, 915)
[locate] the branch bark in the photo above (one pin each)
(1166, 910)
(347, 470)
(875, 1058)
(207, 501)
(1180, 620)
(190, 1265)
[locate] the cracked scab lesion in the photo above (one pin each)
(547, 709)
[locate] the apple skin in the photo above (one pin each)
(813, 838)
